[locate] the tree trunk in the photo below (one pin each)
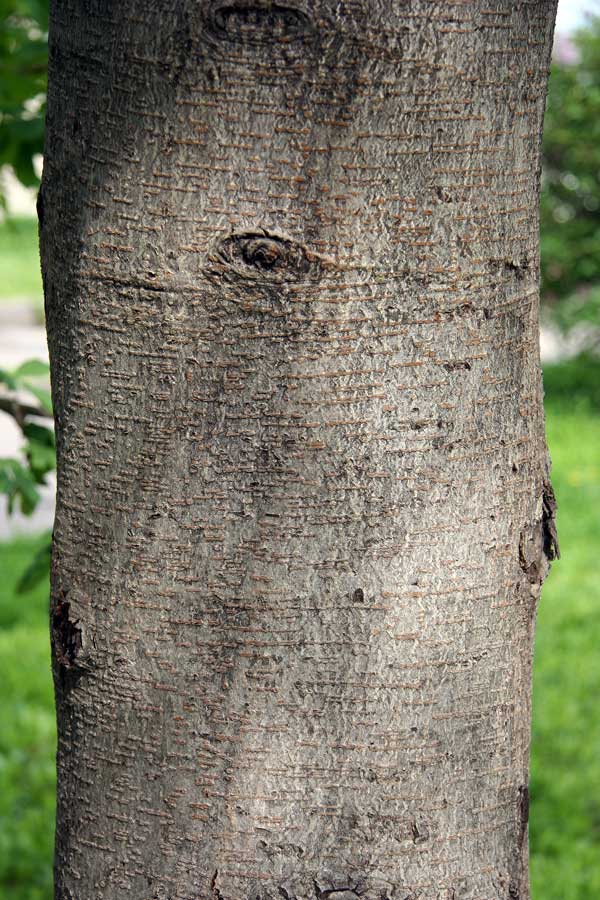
(290, 256)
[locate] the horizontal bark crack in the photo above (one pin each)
(338, 893)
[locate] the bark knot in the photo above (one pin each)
(518, 268)
(257, 22)
(266, 258)
(263, 253)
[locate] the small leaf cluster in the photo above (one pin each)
(23, 67)
(570, 199)
(21, 478)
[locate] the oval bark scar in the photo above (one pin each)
(257, 22)
(266, 258)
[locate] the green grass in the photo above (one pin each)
(19, 261)
(27, 735)
(565, 785)
(565, 788)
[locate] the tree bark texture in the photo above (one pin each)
(290, 256)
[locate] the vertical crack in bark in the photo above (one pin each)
(549, 534)
(213, 886)
(538, 545)
(420, 832)
(523, 805)
(66, 636)
(39, 205)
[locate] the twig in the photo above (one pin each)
(20, 411)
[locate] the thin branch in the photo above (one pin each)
(20, 411)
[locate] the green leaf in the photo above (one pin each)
(18, 484)
(23, 65)
(44, 397)
(33, 368)
(37, 570)
(41, 459)
(570, 199)
(40, 433)
(7, 378)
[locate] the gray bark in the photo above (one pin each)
(290, 257)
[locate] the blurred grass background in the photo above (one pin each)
(565, 785)
(28, 733)
(565, 767)
(19, 261)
